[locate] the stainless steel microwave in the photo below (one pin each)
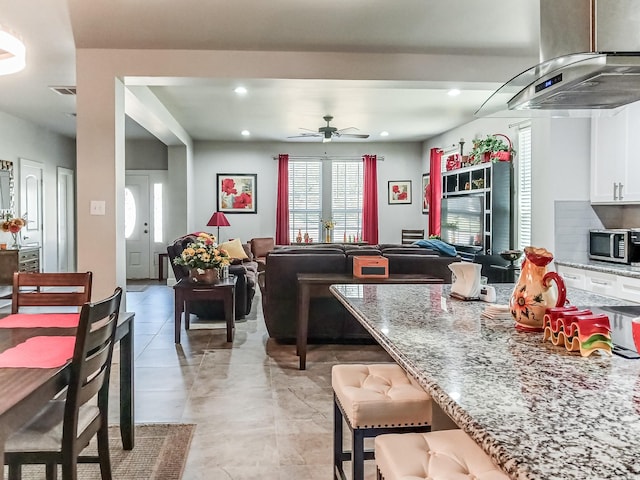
(615, 245)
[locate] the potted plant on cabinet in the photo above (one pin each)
(492, 148)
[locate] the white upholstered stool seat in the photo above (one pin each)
(440, 455)
(374, 399)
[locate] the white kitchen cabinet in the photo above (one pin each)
(601, 283)
(615, 157)
(573, 277)
(616, 286)
(628, 288)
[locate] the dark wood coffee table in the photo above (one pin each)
(317, 285)
(186, 291)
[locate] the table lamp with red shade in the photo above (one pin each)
(218, 219)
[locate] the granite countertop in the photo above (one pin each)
(603, 267)
(539, 411)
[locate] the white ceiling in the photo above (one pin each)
(480, 31)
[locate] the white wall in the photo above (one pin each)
(402, 161)
(22, 139)
(146, 155)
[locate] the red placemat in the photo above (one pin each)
(39, 352)
(40, 320)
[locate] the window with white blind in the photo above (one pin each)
(305, 198)
(346, 199)
(523, 215)
(319, 191)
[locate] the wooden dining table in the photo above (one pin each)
(27, 390)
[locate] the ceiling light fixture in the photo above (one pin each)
(384, 134)
(240, 90)
(12, 52)
(245, 133)
(454, 92)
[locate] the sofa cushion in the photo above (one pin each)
(234, 248)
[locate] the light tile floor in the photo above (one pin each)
(257, 415)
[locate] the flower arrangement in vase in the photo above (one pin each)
(204, 258)
(328, 225)
(14, 225)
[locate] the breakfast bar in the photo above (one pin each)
(539, 411)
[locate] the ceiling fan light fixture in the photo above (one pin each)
(326, 139)
(12, 52)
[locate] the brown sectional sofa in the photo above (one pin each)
(329, 321)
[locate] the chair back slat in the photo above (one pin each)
(410, 236)
(91, 363)
(62, 289)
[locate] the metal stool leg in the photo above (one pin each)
(357, 454)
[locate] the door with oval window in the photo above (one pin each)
(137, 225)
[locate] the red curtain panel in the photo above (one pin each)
(282, 201)
(435, 178)
(370, 200)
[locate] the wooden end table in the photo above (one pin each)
(317, 285)
(186, 291)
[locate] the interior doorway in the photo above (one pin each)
(31, 194)
(66, 206)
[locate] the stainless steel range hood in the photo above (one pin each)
(590, 54)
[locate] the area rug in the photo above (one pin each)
(160, 454)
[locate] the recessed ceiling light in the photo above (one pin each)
(240, 90)
(384, 134)
(454, 92)
(245, 133)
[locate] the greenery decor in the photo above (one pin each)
(490, 148)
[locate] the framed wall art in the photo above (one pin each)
(399, 192)
(237, 192)
(426, 193)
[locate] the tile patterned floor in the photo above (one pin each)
(257, 415)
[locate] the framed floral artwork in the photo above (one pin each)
(426, 193)
(237, 192)
(399, 192)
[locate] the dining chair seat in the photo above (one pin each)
(44, 433)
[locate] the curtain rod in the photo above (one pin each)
(326, 157)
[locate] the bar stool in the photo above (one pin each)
(374, 399)
(440, 455)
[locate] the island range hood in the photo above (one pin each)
(590, 61)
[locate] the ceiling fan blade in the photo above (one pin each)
(308, 129)
(348, 128)
(306, 135)
(352, 135)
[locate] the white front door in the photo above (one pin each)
(31, 201)
(137, 225)
(66, 220)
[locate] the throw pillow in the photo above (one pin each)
(234, 249)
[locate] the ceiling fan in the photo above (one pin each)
(328, 132)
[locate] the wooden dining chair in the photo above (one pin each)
(63, 289)
(58, 434)
(410, 236)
